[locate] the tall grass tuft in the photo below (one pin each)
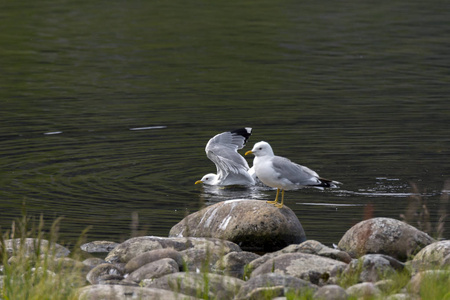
(417, 213)
(435, 284)
(33, 264)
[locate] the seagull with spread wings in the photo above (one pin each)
(232, 168)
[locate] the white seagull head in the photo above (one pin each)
(208, 179)
(261, 149)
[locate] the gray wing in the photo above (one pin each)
(222, 151)
(295, 173)
(227, 160)
(233, 139)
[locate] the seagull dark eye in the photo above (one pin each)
(260, 148)
(207, 179)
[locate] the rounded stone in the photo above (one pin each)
(384, 236)
(92, 262)
(273, 283)
(330, 292)
(433, 255)
(103, 272)
(234, 263)
(98, 246)
(136, 246)
(364, 290)
(119, 292)
(310, 267)
(29, 246)
(151, 256)
(317, 248)
(154, 269)
(373, 267)
(252, 224)
(205, 285)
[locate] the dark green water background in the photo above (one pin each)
(356, 90)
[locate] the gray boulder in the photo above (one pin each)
(139, 245)
(92, 262)
(234, 263)
(254, 264)
(122, 292)
(30, 247)
(201, 260)
(308, 247)
(151, 256)
(66, 264)
(317, 248)
(434, 255)
(252, 224)
(384, 236)
(272, 285)
(386, 285)
(373, 267)
(265, 292)
(104, 272)
(202, 285)
(309, 267)
(365, 290)
(98, 246)
(330, 292)
(154, 269)
(203, 257)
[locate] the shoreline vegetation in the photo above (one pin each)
(378, 258)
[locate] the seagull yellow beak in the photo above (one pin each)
(248, 152)
(198, 182)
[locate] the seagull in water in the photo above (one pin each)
(283, 174)
(232, 168)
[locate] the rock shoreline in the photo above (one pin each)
(201, 264)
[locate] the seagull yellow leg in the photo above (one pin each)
(280, 205)
(276, 198)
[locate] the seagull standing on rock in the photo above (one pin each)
(232, 168)
(283, 174)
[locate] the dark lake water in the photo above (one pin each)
(106, 107)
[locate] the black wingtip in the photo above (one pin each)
(328, 183)
(246, 132)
